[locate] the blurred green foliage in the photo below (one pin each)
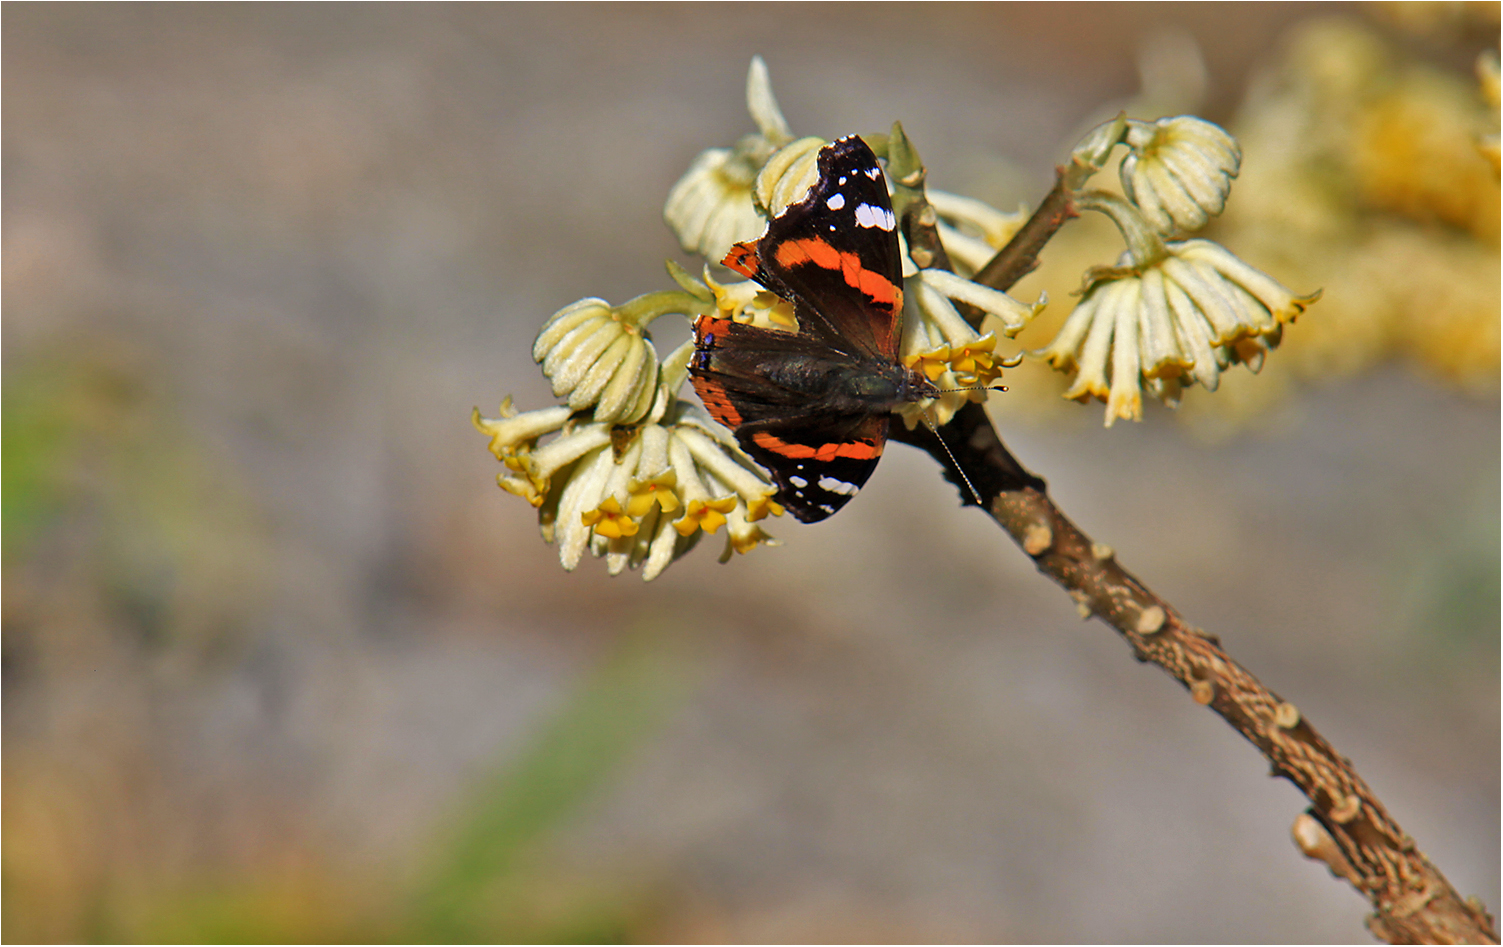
(46, 411)
(489, 877)
(110, 502)
(476, 888)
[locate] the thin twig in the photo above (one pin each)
(1021, 254)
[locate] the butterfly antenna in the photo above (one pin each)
(968, 485)
(930, 425)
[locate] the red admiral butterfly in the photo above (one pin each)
(813, 406)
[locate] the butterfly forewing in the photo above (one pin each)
(835, 253)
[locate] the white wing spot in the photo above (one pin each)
(799, 482)
(835, 202)
(841, 179)
(870, 215)
(838, 486)
(874, 173)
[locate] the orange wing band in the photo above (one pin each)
(857, 450)
(881, 290)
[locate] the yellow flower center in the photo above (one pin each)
(708, 515)
(610, 520)
(762, 506)
(662, 490)
(933, 363)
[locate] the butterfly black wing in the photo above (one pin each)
(766, 385)
(835, 255)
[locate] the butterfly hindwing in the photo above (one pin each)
(744, 373)
(756, 382)
(817, 475)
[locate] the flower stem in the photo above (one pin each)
(1021, 254)
(1143, 242)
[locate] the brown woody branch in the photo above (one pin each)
(1346, 826)
(1021, 255)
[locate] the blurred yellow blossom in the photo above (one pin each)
(1363, 175)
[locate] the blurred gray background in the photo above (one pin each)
(281, 662)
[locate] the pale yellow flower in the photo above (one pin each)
(971, 231)
(742, 535)
(610, 520)
(748, 301)
(710, 209)
(659, 490)
(530, 469)
(1179, 320)
(638, 495)
(599, 356)
(787, 175)
(708, 515)
(514, 433)
(1179, 171)
(939, 342)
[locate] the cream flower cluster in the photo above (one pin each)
(972, 231)
(599, 356)
(1170, 313)
(711, 207)
(638, 494)
(1179, 171)
(939, 342)
(626, 469)
(1192, 314)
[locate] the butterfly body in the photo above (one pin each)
(813, 406)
